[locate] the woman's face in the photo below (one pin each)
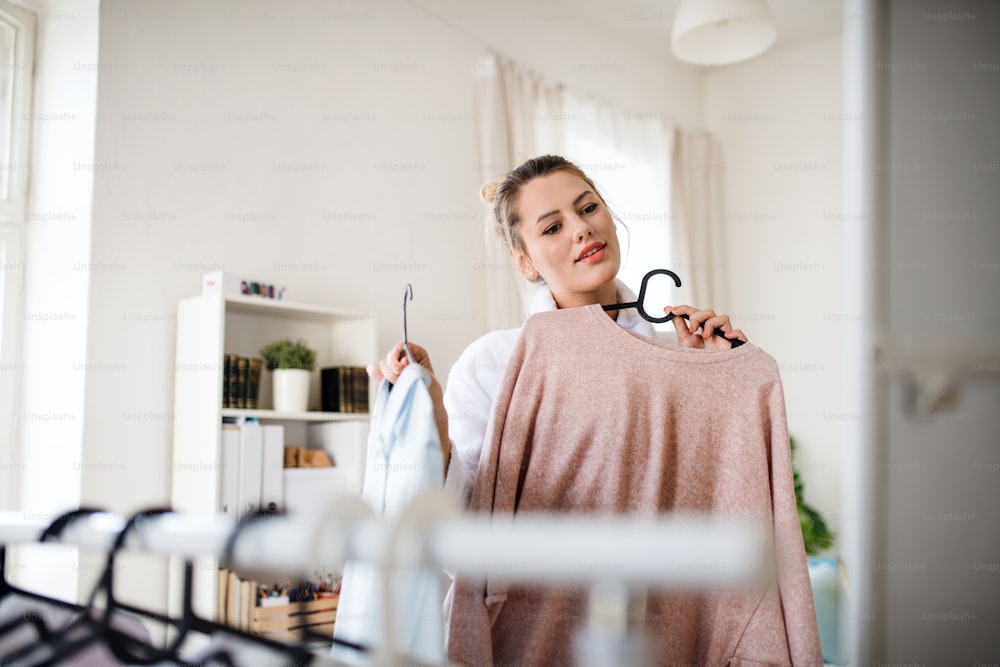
(569, 239)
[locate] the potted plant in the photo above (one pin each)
(824, 572)
(290, 363)
(816, 535)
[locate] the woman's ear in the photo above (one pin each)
(523, 264)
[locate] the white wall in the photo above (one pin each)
(779, 119)
(328, 148)
(331, 148)
(564, 45)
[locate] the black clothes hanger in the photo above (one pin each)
(406, 340)
(638, 303)
(25, 619)
(54, 529)
(298, 655)
(58, 645)
(126, 648)
(97, 623)
(58, 525)
(305, 634)
(130, 650)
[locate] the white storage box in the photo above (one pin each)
(217, 281)
(312, 490)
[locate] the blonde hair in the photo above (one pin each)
(503, 195)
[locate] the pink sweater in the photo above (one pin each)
(592, 418)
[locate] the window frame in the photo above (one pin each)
(11, 368)
(13, 208)
(13, 217)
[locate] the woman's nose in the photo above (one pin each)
(582, 230)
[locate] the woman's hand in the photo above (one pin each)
(390, 368)
(716, 330)
(396, 360)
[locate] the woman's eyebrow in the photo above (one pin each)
(575, 202)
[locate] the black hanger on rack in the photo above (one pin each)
(131, 650)
(638, 304)
(302, 655)
(406, 341)
(6, 588)
(97, 623)
(57, 645)
(126, 648)
(297, 654)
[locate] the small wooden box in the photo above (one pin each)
(285, 622)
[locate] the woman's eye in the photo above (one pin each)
(552, 229)
(589, 208)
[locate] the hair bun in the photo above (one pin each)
(488, 192)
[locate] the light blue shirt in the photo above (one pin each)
(404, 461)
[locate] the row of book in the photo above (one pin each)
(241, 381)
(235, 599)
(344, 389)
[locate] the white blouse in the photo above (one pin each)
(474, 381)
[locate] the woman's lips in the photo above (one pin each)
(596, 253)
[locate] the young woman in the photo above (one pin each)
(559, 233)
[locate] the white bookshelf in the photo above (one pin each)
(212, 325)
(309, 416)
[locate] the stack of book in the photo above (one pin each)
(344, 389)
(241, 381)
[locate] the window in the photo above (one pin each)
(17, 33)
(628, 156)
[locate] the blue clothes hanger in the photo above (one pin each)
(638, 303)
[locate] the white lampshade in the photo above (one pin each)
(722, 32)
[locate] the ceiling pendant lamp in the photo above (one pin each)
(722, 32)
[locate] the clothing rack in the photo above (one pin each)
(672, 552)
(537, 549)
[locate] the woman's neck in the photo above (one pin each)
(605, 295)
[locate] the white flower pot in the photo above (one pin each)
(290, 389)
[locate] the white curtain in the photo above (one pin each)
(696, 229)
(510, 102)
(626, 154)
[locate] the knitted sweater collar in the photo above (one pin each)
(628, 318)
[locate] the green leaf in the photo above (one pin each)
(286, 353)
(816, 535)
